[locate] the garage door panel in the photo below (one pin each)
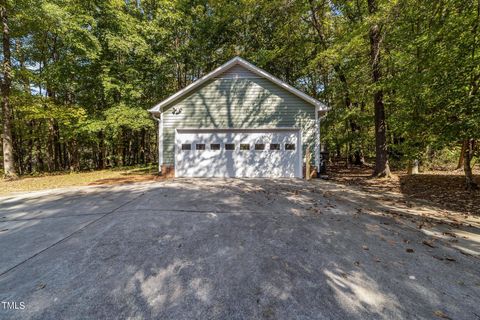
(237, 162)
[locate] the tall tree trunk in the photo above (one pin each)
(413, 167)
(30, 160)
(56, 145)
(50, 147)
(474, 87)
(359, 157)
(461, 158)
(74, 155)
(467, 166)
(37, 143)
(101, 150)
(8, 157)
(382, 168)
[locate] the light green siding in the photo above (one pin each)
(236, 103)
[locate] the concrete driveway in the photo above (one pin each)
(224, 249)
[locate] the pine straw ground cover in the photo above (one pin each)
(446, 189)
(61, 180)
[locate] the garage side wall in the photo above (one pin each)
(237, 99)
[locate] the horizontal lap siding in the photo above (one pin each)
(230, 102)
(238, 72)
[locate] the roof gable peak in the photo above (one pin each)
(226, 66)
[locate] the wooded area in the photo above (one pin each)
(401, 77)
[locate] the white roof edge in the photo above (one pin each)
(237, 60)
(259, 129)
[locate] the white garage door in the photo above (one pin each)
(238, 153)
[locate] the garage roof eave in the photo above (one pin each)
(154, 110)
(218, 130)
(239, 61)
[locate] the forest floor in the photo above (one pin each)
(445, 189)
(61, 180)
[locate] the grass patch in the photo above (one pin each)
(60, 180)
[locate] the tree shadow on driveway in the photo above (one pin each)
(235, 248)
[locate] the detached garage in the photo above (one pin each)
(238, 121)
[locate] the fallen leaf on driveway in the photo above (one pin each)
(410, 250)
(465, 253)
(41, 286)
(364, 247)
(428, 243)
(441, 314)
(451, 234)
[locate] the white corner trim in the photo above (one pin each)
(300, 155)
(317, 140)
(160, 140)
(238, 61)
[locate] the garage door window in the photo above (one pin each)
(229, 146)
(274, 146)
(290, 146)
(200, 146)
(215, 146)
(244, 146)
(186, 146)
(259, 146)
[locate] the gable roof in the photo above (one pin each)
(238, 61)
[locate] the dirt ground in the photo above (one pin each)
(445, 189)
(92, 178)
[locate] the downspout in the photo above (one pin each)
(160, 140)
(317, 138)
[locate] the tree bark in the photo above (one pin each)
(467, 166)
(461, 159)
(74, 155)
(50, 147)
(101, 151)
(359, 158)
(8, 157)
(382, 168)
(413, 167)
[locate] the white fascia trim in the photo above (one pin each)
(246, 130)
(193, 85)
(280, 83)
(317, 140)
(237, 60)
